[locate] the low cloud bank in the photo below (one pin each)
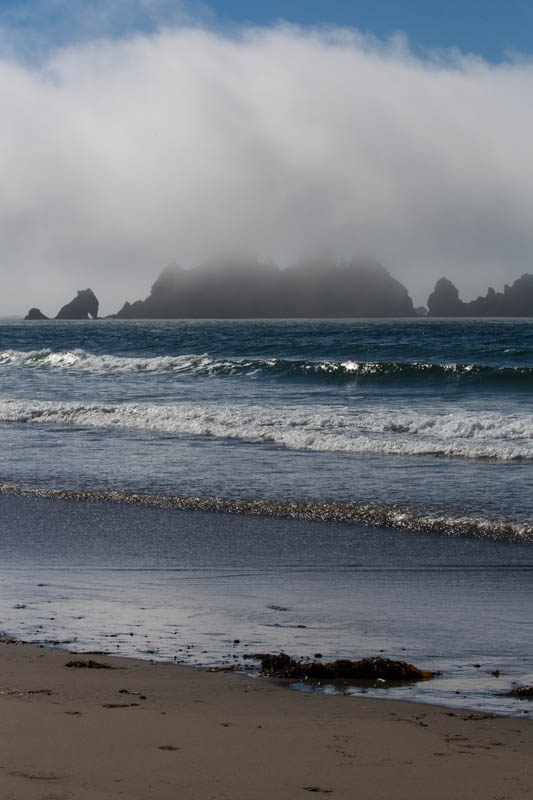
(119, 156)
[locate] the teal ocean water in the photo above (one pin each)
(435, 416)
(419, 433)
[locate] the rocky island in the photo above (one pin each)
(35, 313)
(514, 301)
(83, 306)
(314, 288)
(249, 289)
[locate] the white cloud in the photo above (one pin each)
(118, 156)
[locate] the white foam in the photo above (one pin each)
(205, 364)
(81, 360)
(372, 431)
(198, 363)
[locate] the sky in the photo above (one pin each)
(135, 133)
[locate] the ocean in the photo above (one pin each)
(349, 487)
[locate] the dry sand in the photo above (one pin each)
(194, 734)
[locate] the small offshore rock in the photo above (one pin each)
(85, 304)
(35, 313)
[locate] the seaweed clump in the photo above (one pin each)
(522, 692)
(372, 668)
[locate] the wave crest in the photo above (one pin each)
(463, 434)
(206, 365)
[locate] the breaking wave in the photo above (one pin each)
(462, 434)
(206, 365)
(374, 514)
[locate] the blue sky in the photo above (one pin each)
(490, 28)
(487, 27)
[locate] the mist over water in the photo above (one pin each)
(279, 142)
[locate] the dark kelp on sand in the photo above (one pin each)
(372, 668)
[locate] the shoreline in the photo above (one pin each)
(207, 589)
(162, 731)
(251, 672)
(373, 515)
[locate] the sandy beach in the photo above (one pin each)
(146, 730)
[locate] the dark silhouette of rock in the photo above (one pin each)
(35, 313)
(444, 300)
(515, 301)
(374, 668)
(83, 305)
(243, 289)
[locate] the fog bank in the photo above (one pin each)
(118, 157)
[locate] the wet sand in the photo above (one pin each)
(156, 731)
(374, 514)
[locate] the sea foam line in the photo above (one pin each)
(368, 514)
(365, 431)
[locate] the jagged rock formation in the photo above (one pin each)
(515, 301)
(244, 289)
(35, 313)
(444, 300)
(83, 305)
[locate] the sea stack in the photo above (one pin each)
(444, 300)
(35, 313)
(84, 305)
